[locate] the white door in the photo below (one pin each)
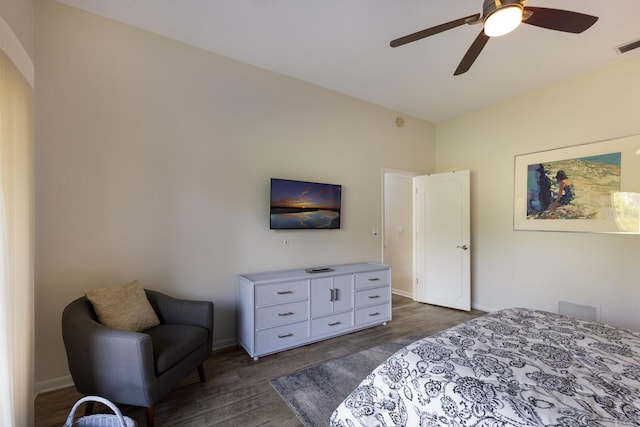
(442, 247)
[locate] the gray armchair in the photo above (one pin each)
(137, 368)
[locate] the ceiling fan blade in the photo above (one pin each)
(559, 20)
(434, 30)
(472, 54)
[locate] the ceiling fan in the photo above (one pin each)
(500, 17)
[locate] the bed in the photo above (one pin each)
(514, 367)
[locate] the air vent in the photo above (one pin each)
(628, 46)
(586, 312)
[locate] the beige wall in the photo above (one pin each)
(20, 16)
(535, 269)
(153, 161)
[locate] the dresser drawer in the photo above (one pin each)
(275, 315)
(372, 296)
(372, 278)
(330, 324)
(277, 293)
(374, 314)
(273, 339)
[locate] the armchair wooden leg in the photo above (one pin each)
(151, 416)
(88, 408)
(203, 379)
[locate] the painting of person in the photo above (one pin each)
(566, 191)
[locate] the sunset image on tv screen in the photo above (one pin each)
(304, 205)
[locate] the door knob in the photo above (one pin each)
(463, 247)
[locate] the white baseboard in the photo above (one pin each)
(402, 293)
(53, 384)
(483, 308)
(222, 344)
(473, 306)
(67, 381)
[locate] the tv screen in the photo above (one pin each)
(304, 205)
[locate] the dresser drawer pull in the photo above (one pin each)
(374, 314)
(285, 335)
(334, 323)
(290, 313)
(374, 296)
(374, 279)
(284, 292)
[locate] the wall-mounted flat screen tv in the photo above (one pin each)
(304, 205)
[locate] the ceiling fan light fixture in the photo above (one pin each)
(503, 20)
(499, 17)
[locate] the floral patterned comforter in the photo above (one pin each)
(515, 367)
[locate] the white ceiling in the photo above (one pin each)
(343, 45)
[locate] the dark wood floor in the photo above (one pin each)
(237, 391)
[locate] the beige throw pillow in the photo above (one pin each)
(124, 307)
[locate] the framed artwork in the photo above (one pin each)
(585, 188)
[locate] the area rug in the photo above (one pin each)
(314, 393)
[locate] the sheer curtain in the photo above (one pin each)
(16, 232)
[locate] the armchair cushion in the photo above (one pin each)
(123, 307)
(172, 343)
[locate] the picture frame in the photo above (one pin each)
(599, 181)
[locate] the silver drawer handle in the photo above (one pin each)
(285, 335)
(374, 279)
(374, 314)
(284, 292)
(374, 296)
(334, 323)
(286, 314)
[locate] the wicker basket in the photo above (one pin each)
(98, 420)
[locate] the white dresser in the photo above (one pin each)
(278, 310)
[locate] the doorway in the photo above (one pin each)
(397, 232)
